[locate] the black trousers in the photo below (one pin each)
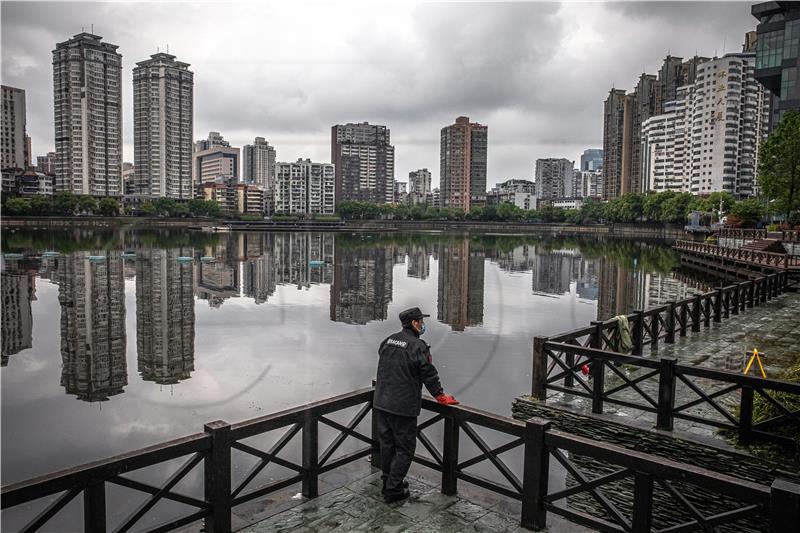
(398, 440)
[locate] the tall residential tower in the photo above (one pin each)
(163, 110)
(463, 157)
(363, 160)
(87, 92)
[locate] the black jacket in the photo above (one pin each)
(404, 364)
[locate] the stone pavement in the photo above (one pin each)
(773, 328)
(358, 506)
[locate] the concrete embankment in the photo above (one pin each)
(633, 231)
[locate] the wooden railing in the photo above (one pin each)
(754, 234)
(558, 363)
(754, 257)
(778, 504)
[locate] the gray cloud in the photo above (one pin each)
(536, 73)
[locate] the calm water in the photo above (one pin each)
(128, 338)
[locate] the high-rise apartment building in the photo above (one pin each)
(708, 141)
(214, 158)
(778, 55)
(363, 160)
(13, 138)
(463, 158)
(46, 163)
(419, 186)
(163, 126)
(305, 188)
(87, 90)
(592, 159)
(258, 167)
(554, 178)
(613, 133)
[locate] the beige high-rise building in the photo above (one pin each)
(214, 158)
(163, 123)
(463, 158)
(13, 139)
(87, 89)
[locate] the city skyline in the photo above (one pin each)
(419, 48)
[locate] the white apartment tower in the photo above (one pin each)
(554, 178)
(419, 186)
(163, 111)
(305, 188)
(259, 163)
(87, 92)
(12, 146)
(709, 139)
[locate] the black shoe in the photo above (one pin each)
(404, 484)
(391, 498)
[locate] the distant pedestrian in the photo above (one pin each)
(404, 365)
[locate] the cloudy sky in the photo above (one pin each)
(536, 73)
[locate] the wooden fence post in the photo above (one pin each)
(642, 503)
(535, 474)
(684, 315)
(375, 456)
(743, 296)
(670, 338)
(718, 305)
(94, 507)
(666, 393)
(638, 332)
(784, 503)
(746, 416)
(450, 456)
(539, 370)
(696, 312)
(310, 455)
(217, 469)
(751, 288)
(598, 371)
(762, 289)
(735, 300)
(597, 335)
(707, 305)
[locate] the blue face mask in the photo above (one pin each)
(423, 329)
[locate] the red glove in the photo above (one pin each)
(446, 399)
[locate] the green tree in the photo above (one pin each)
(109, 207)
(508, 212)
(653, 204)
(675, 208)
(591, 211)
(165, 206)
(625, 208)
(41, 205)
(87, 204)
(18, 206)
(723, 198)
(65, 203)
(147, 209)
(746, 212)
(779, 164)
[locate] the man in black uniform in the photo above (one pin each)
(404, 364)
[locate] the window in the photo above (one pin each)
(769, 51)
(791, 38)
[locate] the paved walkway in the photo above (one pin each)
(773, 328)
(358, 506)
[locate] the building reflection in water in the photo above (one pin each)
(164, 315)
(419, 261)
(92, 297)
(461, 274)
(362, 283)
(17, 291)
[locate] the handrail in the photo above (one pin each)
(779, 503)
(558, 363)
(754, 257)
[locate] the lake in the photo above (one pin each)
(115, 339)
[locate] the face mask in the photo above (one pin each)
(423, 329)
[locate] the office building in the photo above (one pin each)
(13, 138)
(463, 159)
(592, 159)
(87, 89)
(778, 55)
(163, 127)
(304, 188)
(363, 160)
(214, 158)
